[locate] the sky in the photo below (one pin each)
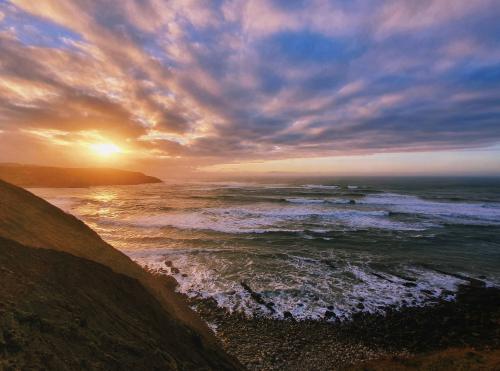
(187, 87)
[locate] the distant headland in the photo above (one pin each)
(59, 177)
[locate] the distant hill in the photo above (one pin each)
(71, 301)
(59, 177)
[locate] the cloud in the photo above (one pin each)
(413, 15)
(245, 80)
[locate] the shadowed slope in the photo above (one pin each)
(60, 312)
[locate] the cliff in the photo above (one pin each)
(68, 296)
(58, 177)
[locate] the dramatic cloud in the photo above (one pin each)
(213, 81)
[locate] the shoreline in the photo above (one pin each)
(471, 321)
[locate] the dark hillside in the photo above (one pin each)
(31, 221)
(61, 312)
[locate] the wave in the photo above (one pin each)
(64, 203)
(449, 212)
(349, 288)
(319, 186)
(275, 219)
(379, 211)
(306, 201)
(292, 264)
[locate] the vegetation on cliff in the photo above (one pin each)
(69, 300)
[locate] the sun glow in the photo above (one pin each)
(105, 149)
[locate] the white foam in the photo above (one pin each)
(338, 201)
(296, 288)
(304, 200)
(273, 219)
(453, 212)
(320, 186)
(297, 281)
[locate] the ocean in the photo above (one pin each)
(306, 245)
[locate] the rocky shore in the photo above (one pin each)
(413, 336)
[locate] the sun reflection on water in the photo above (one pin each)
(104, 195)
(100, 204)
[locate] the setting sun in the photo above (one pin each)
(105, 149)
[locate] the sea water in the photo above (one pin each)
(307, 245)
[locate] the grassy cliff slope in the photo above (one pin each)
(31, 221)
(61, 312)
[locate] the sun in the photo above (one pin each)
(105, 149)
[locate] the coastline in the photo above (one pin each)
(465, 330)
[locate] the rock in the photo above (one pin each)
(329, 314)
(256, 296)
(168, 263)
(476, 283)
(287, 315)
(330, 263)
